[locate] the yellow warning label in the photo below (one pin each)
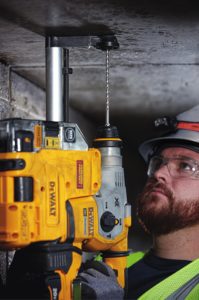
(52, 142)
(37, 136)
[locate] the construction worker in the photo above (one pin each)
(168, 208)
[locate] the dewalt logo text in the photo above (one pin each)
(52, 200)
(91, 221)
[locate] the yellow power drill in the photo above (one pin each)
(59, 198)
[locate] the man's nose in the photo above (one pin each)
(162, 173)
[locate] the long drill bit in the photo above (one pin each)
(107, 123)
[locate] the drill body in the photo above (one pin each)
(59, 198)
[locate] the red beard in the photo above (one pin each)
(165, 217)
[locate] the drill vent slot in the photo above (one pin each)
(119, 179)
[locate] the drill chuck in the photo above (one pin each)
(107, 136)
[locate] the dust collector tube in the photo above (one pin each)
(54, 84)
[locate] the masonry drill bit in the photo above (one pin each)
(107, 122)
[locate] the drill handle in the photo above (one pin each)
(119, 265)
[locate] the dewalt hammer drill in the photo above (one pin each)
(58, 198)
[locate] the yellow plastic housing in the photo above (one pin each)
(57, 177)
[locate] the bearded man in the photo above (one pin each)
(168, 208)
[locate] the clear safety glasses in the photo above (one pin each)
(178, 167)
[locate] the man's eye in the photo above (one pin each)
(186, 167)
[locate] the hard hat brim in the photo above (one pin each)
(180, 138)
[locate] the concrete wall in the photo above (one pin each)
(21, 98)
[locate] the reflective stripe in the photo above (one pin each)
(174, 283)
(193, 295)
(185, 290)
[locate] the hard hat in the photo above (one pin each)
(183, 131)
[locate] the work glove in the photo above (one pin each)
(99, 282)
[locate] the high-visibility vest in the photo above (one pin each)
(183, 284)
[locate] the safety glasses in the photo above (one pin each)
(178, 167)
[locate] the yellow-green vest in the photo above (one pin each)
(183, 284)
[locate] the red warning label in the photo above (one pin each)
(80, 174)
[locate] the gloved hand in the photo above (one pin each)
(99, 282)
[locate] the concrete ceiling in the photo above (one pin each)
(154, 72)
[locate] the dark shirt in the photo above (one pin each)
(149, 271)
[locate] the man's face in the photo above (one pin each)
(169, 203)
